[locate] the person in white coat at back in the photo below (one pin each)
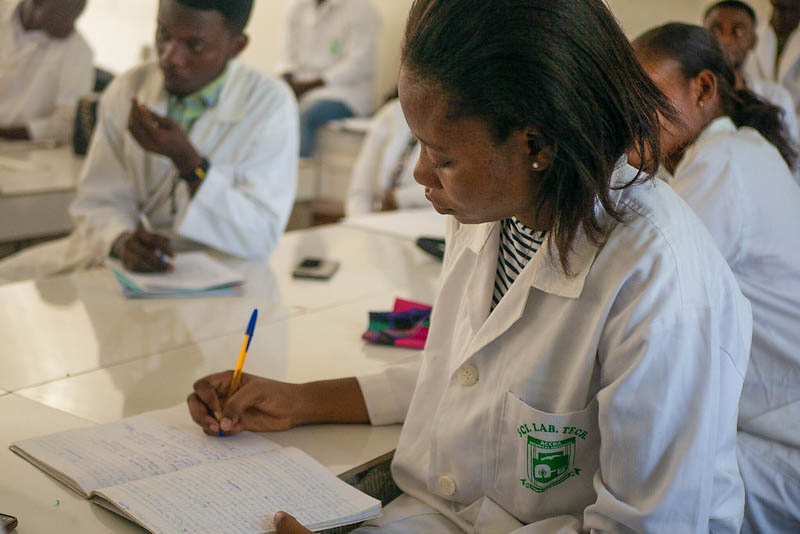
(329, 57)
(740, 185)
(199, 144)
(734, 23)
(45, 67)
(383, 176)
(776, 57)
(588, 341)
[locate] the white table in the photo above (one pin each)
(37, 186)
(126, 357)
(82, 323)
(314, 346)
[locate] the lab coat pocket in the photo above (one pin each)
(544, 462)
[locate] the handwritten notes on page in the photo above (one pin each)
(135, 448)
(241, 495)
(170, 479)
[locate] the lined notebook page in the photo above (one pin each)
(139, 447)
(240, 496)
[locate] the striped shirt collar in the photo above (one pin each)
(518, 244)
(549, 276)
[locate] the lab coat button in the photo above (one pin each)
(468, 375)
(447, 485)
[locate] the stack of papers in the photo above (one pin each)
(194, 274)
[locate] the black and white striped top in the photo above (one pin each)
(518, 244)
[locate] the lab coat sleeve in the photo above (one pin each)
(387, 394)
(709, 184)
(76, 80)
(357, 63)
(365, 183)
(243, 208)
(106, 204)
(670, 379)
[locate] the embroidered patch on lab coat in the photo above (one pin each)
(550, 462)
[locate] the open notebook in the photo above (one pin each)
(193, 274)
(170, 480)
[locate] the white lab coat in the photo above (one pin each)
(777, 95)
(625, 377)
(385, 144)
(761, 62)
(338, 43)
(741, 188)
(251, 140)
(41, 78)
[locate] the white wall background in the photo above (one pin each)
(118, 29)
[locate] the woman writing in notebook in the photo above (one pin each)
(588, 342)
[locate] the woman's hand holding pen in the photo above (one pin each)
(143, 251)
(259, 405)
(263, 405)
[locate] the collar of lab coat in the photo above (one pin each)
(767, 48)
(720, 126)
(548, 275)
(715, 127)
(231, 107)
(10, 19)
(765, 51)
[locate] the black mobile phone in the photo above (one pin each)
(8, 522)
(316, 268)
(432, 245)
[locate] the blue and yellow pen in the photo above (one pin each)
(237, 373)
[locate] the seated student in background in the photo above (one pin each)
(776, 57)
(329, 56)
(733, 23)
(383, 177)
(45, 67)
(588, 340)
(195, 142)
(739, 184)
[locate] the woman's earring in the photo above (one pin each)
(701, 103)
(535, 165)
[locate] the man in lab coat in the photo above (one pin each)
(733, 23)
(777, 55)
(45, 67)
(328, 57)
(196, 144)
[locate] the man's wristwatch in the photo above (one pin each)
(198, 174)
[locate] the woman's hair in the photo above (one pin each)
(561, 67)
(696, 49)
